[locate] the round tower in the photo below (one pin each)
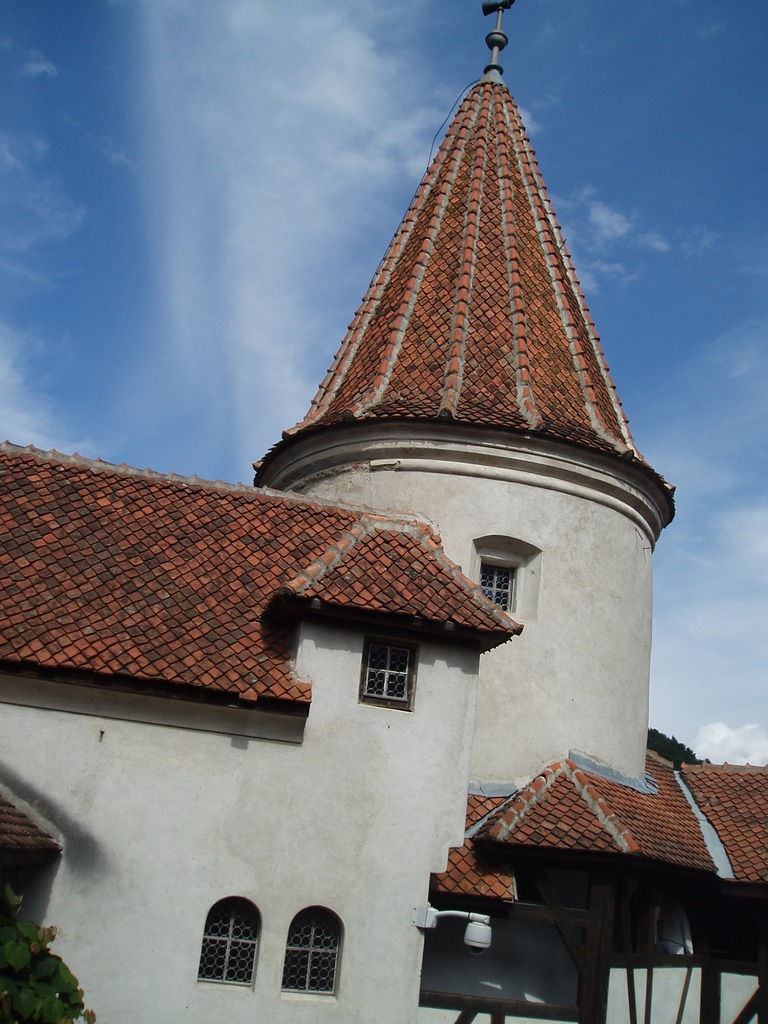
(472, 389)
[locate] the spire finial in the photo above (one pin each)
(496, 40)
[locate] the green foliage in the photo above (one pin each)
(671, 748)
(35, 984)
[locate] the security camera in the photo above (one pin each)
(478, 934)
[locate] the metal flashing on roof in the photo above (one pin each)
(646, 785)
(711, 838)
(491, 789)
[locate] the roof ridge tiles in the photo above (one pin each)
(249, 490)
(524, 800)
(381, 522)
(101, 465)
(734, 769)
(599, 807)
(330, 557)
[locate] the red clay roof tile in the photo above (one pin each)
(734, 799)
(119, 572)
(568, 808)
(20, 835)
(475, 313)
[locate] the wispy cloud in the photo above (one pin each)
(712, 595)
(28, 416)
(532, 124)
(608, 224)
(604, 240)
(36, 207)
(654, 241)
(112, 151)
(35, 65)
(252, 161)
(698, 240)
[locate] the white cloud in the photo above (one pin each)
(26, 413)
(532, 125)
(36, 209)
(720, 743)
(36, 65)
(112, 151)
(712, 571)
(603, 240)
(608, 223)
(277, 139)
(698, 240)
(655, 241)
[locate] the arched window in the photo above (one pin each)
(312, 952)
(230, 940)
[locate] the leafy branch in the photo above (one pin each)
(35, 984)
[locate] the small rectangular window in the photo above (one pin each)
(497, 583)
(388, 674)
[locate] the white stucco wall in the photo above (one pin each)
(577, 679)
(159, 822)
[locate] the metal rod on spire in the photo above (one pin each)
(496, 40)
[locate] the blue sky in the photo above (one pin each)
(195, 193)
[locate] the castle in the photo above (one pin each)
(299, 751)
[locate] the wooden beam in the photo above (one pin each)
(593, 990)
(749, 1012)
(648, 994)
(709, 1011)
(570, 939)
(500, 1007)
(762, 971)
(626, 928)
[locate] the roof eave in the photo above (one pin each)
(290, 608)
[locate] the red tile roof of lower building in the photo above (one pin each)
(153, 579)
(474, 872)
(734, 798)
(570, 808)
(19, 835)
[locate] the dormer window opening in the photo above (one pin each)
(497, 583)
(388, 674)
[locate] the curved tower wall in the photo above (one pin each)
(579, 529)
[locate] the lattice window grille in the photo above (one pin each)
(230, 941)
(386, 673)
(311, 953)
(496, 583)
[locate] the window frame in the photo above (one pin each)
(524, 562)
(496, 566)
(249, 913)
(395, 703)
(330, 918)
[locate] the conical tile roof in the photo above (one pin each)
(475, 314)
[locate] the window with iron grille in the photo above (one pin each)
(497, 583)
(388, 674)
(230, 940)
(312, 952)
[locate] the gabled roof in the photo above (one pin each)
(389, 565)
(569, 808)
(475, 314)
(473, 871)
(572, 810)
(130, 575)
(734, 799)
(21, 839)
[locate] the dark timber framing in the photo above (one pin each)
(615, 930)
